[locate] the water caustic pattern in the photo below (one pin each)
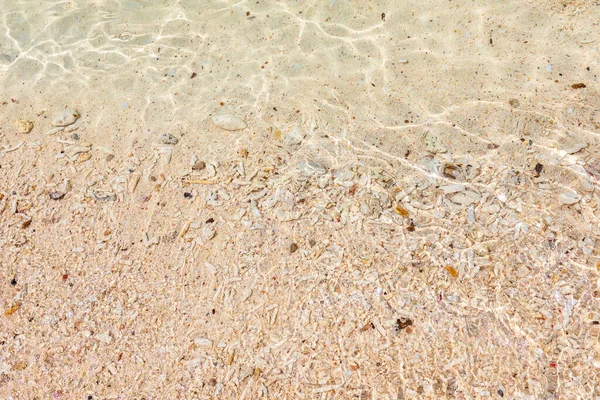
(435, 164)
(364, 66)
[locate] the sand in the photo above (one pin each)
(404, 203)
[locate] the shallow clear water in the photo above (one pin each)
(342, 67)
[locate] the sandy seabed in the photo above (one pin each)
(407, 207)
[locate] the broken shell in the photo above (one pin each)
(451, 171)
(229, 122)
(568, 198)
(65, 118)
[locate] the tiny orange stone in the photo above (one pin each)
(452, 271)
(401, 211)
(13, 309)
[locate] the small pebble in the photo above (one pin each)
(208, 232)
(187, 195)
(75, 136)
(568, 198)
(199, 166)
(229, 122)
(65, 118)
(23, 125)
(56, 195)
(293, 247)
(514, 103)
(167, 138)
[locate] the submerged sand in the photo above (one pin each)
(411, 210)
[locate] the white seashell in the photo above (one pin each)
(65, 118)
(200, 341)
(229, 122)
(466, 198)
(449, 189)
(576, 148)
(568, 198)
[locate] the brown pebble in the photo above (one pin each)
(492, 146)
(312, 242)
(514, 103)
(403, 323)
(538, 168)
(578, 85)
(26, 224)
(199, 166)
(293, 247)
(193, 75)
(367, 326)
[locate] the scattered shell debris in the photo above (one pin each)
(374, 229)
